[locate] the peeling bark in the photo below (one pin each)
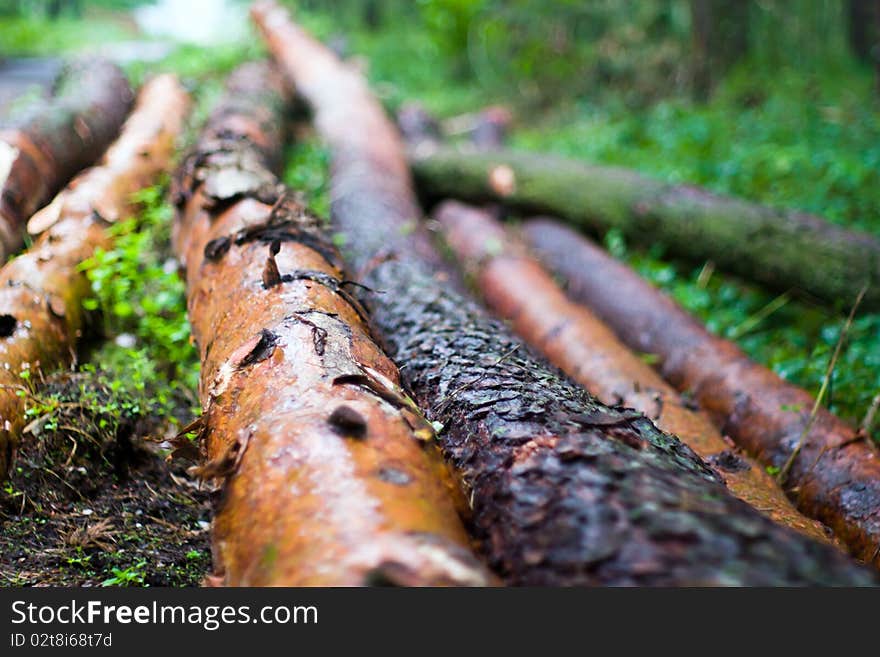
(565, 490)
(783, 249)
(41, 291)
(836, 475)
(40, 154)
(518, 289)
(331, 474)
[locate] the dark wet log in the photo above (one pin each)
(783, 249)
(836, 475)
(565, 490)
(518, 289)
(41, 291)
(41, 153)
(331, 475)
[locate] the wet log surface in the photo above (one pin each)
(565, 490)
(782, 249)
(835, 476)
(519, 290)
(47, 147)
(331, 476)
(41, 291)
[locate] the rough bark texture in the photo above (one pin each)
(780, 248)
(331, 475)
(41, 153)
(565, 490)
(836, 475)
(41, 291)
(518, 289)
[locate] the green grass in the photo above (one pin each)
(33, 36)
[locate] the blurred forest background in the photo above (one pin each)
(773, 100)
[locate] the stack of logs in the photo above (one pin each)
(370, 424)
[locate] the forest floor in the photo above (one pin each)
(136, 520)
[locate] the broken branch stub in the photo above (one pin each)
(51, 144)
(564, 489)
(330, 475)
(41, 291)
(518, 289)
(835, 476)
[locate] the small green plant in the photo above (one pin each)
(79, 559)
(132, 576)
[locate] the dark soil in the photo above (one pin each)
(92, 501)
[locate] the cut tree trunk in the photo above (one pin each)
(564, 490)
(41, 291)
(40, 154)
(780, 248)
(518, 289)
(331, 475)
(835, 476)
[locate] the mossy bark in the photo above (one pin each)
(782, 249)
(565, 490)
(47, 147)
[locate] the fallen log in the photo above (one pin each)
(41, 291)
(835, 476)
(331, 474)
(519, 290)
(47, 147)
(564, 490)
(783, 249)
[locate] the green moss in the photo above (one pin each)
(135, 286)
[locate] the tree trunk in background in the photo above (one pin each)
(861, 25)
(701, 29)
(41, 291)
(45, 150)
(332, 476)
(373, 14)
(836, 476)
(565, 490)
(719, 38)
(783, 249)
(517, 288)
(875, 50)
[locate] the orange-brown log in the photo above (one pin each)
(835, 476)
(47, 147)
(331, 475)
(518, 289)
(41, 291)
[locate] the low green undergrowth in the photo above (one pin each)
(141, 300)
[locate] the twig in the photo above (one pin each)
(752, 321)
(783, 474)
(868, 422)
